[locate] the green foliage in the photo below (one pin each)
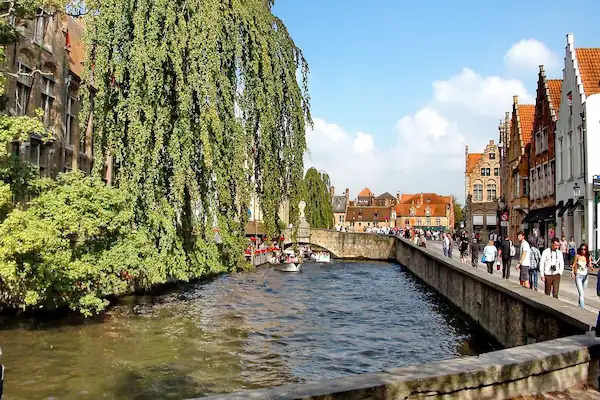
(76, 244)
(197, 102)
(458, 215)
(319, 213)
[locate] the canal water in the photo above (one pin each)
(250, 330)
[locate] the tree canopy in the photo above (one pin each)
(319, 212)
(198, 103)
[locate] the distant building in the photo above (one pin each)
(483, 186)
(428, 211)
(359, 218)
(365, 198)
(385, 200)
(339, 204)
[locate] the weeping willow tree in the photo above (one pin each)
(319, 213)
(197, 103)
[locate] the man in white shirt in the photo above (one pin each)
(552, 266)
(524, 260)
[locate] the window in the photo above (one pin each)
(438, 221)
(47, 98)
(340, 219)
(551, 182)
(482, 171)
(561, 161)
(491, 192)
(413, 211)
(24, 82)
(478, 192)
(581, 150)
(71, 132)
(40, 27)
(517, 191)
(540, 183)
(570, 159)
(492, 156)
(544, 181)
(496, 171)
(526, 187)
(533, 194)
(545, 139)
(418, 221)
(35, 152)
(538, 142)
(427, 211)
(406, 221)
(428, 221)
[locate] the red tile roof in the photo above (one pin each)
(555, 87)
(472, 160)
(367, 213)
(526, 114)
(366, 192)
(435, 210)
(589, 68)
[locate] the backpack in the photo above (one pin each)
(536, 256)
(513, 251)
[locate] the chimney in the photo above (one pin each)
(515, 100)
(332, 191)
(347, 193)
(398, 196)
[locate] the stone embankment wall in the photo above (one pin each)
(548, 348)
(513, 315)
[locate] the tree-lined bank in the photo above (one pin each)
(195, 105)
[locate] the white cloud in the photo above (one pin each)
(425, 151)
(529, 54)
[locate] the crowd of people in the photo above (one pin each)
(535, 261)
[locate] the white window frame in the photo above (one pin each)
(561, 161)
(570, 156)
(23, 88)
(47, 96)
(581, 150)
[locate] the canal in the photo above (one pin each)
(258, 329)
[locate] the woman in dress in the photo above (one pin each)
(582, 265)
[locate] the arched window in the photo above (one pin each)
(24, 82)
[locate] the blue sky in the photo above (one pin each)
(374, 63)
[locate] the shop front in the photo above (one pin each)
(542, 220)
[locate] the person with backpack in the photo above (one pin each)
(463, 247)
(534, 268)
(507, 251)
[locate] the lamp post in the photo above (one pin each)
(501, 210)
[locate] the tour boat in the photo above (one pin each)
(321, 257)
(289, 267)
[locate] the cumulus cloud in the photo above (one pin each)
(528, 54)
(424, 151)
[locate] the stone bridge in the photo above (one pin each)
(346, 244)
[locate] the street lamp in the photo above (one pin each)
(576, 191)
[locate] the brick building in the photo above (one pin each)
(48, 64)
(542, 201)
(519, 141)
(428, 211)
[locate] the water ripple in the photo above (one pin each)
(257, 329)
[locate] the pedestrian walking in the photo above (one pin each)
(464, 248)
(582, 265)
(507, 251)
(564, 248)
(474, 252)
(489, 256)
(524, 260)
(534, 268)
(572, 250)
(446, 244)
(552, 266)
(450, 245)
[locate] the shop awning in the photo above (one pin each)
(575, 205)
(564, 208)
(540, 214)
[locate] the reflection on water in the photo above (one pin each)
(250, 330)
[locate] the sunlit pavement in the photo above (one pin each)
(567, 291)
